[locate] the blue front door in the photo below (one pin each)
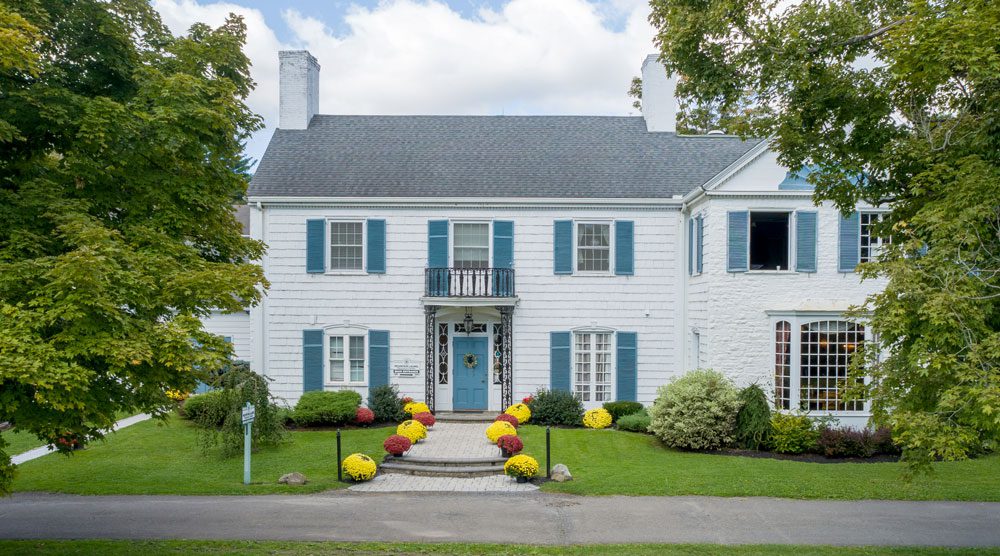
(470, 384)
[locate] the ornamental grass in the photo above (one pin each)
(520, 411)
(521, 466)
(397, 444)
(413, 408)
(414, 430)
(597, 419)
(508, 418)
(359, 467)
(498, 429)
(425, 418)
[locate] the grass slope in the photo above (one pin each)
(19, 442)
(164, 458)
(613, 462)
(155, 548)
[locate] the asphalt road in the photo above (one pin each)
(536, 518)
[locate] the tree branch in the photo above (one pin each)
(867, 36)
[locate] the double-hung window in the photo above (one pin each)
(812, 359)
(347, 359)
(871, 243)
(471, 247)
(592, 366)
(593, 247)
(347, 246)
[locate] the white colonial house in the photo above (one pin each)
(472, 260)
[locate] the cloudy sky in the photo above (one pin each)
(441, 56)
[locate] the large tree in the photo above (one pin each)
(897, 102)
(120, 158)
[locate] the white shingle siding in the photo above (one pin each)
(237, 327)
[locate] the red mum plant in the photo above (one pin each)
(406, 400)
(527, 399)
(397, 444)
(364, 416)
(425, 419)
(510, 444)
(509, 418)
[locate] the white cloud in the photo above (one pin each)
(410, 57)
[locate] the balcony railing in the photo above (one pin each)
(469, 282)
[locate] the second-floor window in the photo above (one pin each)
(346, 246)
(471, 245)
(593, 247)
(769, 241)
(871, 243)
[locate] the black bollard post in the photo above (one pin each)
(548, 453)
(340, 477)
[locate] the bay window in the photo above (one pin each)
(812, 358)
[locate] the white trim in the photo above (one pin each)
(451, 238)
(728, 172)
(610, 223)
(466, 202)
(345, 332)
(612, 361)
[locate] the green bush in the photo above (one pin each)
(385, 403)
(326, 408)
(556, 407)
(235, 388)
(793, 433)
(621, 409)
(635, 422)
(199, 404)
(753, 421)
(696, 411)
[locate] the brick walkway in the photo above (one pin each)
(448, 440)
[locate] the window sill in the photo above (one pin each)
(346, 273)
(595, 273)
(774, 272)
(345, 385)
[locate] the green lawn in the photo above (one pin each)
(153, 548)
(156, 458)
(615, 462)
(19, 442)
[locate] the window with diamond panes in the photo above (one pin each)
(593, 247)
(783, 365)
(826, 348)
(592, 366)
(346, 246)
(871, 244)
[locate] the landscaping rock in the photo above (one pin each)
(561, 474)
(294, 479)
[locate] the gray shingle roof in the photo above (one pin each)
(488, 156)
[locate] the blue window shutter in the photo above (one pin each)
(562, 246)
(701, 244)
(627, 367)
(559, 361)
(850, 230)
(503, 244)
(624, 247)
(805, 241)
(378, 357)
(690, 246)
(312, 360)
(739, 228)
(437, 257)
(315, 246)
(227, 339)
(375, 262)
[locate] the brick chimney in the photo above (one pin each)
(659, 105)
(298, 93)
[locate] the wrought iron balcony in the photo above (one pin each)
(469, 282)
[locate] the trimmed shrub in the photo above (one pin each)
(621, 409)
(385, 404)
(327, 408)
(753, 421)
(855, 443)
(793, 433)
(195, 406)
(508, 418)
(636, 422)
(364, 416)
(397, 444)
(425, 418)
(696, 411)
(884, 443)
(556, 407)
(510, 444)
(597, 419)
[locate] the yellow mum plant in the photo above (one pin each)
(520, 411)
(521, 466)
(413, 408)
(498, 429)
(414, 430)
(360, 467)
(597, 419)
(177, 395)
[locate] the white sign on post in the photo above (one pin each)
(249, 413)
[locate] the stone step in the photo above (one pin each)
(466, 416)
(446, 462)
(442, 470)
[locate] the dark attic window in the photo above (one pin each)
(769, 241)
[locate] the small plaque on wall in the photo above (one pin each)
(406, 369)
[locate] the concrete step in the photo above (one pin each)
(446, 462)
(442, 470)
(466, 416)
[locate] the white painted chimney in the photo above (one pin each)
(659, 105)
(298, 88)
